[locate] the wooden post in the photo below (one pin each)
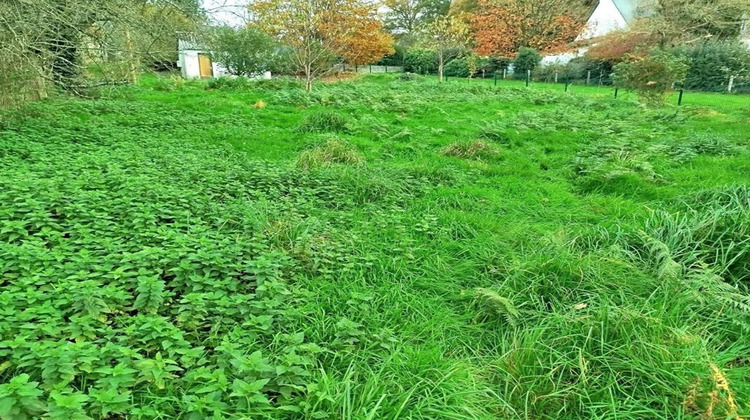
(616, 90)
(555, 77)
(567, 81)
(505, 73)
(495, 78)
(528, 77)
(588, 77)
(679, 100)
(731, 84)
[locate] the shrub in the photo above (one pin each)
(246, 51)
(579, 68)
(332, 151)
(527, 59)
(322, 121)
(458, 67)
(420, 60)
(477, 150)
(652, 76)
(713, 62)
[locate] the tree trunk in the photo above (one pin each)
(131, 57)
(440, 66)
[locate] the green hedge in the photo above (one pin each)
(713, 62)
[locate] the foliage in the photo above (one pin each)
(408, 17)
(165, 253)
(458, 67)
(502, 28)
(527, 60)
(616, 46)
(420, 60)
(444, 34)
(244, 51)
(64, 41)
(651, 76)
(713, 62)
(319, 33)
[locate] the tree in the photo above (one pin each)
(446, 33)
(320, 33)
(407, 18)
(58, 40)
(502, 27)
(686, 21)
(246, 51)
(527, 60)
(651, 76)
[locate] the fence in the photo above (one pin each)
(719, 83)
(366, 69)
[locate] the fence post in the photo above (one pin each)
(505, 73)
(386, 68)
(679, 100)
(567, 81)
(731, 84)
(370, 68)
(555, 77)
(495, 77)
(528, 77)
(588, 77)
(616, 90)
(601, 75)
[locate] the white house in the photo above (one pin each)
(607, 16)
(194, 60)
(612, 15)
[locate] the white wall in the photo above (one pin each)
(605, 19)
(190, 65)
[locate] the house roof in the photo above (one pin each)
(629, 9)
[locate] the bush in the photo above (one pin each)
(528, 59)
(579, 68)
(420, 60)
(244, 52)
(651, 76)
(713, 62)
(458, 67)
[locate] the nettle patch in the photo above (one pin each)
(146, 279)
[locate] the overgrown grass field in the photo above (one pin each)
(380, 248)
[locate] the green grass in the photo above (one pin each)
(375, 249)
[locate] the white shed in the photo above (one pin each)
(195, 61)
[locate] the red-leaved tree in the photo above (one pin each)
(502, 27)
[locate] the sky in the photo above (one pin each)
(226, 12)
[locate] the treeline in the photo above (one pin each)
(72, 45)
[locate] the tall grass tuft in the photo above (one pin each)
(330, 152)
(324, 121)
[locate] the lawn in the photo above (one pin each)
(379, 248)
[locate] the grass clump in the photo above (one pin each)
(324, 121)
(474, 150)
(330, 152)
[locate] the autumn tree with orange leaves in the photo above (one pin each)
(502, 27)
(321, 33)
